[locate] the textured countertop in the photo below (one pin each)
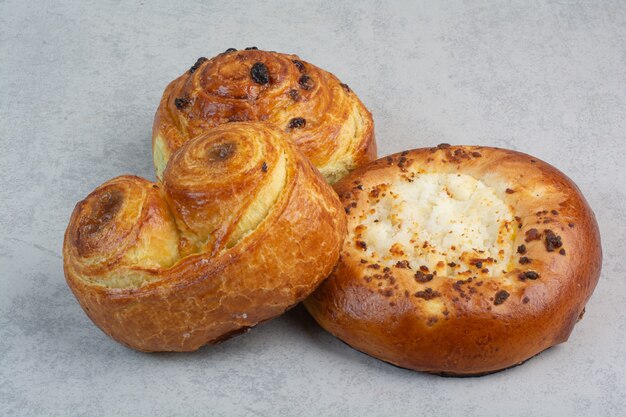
(79, 84)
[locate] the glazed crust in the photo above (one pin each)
(153, 275)
(324, 117)
(480, 324)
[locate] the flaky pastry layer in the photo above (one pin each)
(240, 228)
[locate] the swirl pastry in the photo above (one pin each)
(459, 260)
(316, 111)
(241, 227)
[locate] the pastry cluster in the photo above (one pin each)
(456, 260)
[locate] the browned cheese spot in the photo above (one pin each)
(403, 265)
(552, 241)
(427, 294)
(532, 234)
(531, 275)
(422, 277)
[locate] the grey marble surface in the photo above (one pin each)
(79, 83)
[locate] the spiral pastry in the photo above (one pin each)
(323, 116)
(240, 228)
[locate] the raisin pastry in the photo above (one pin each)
(323, 116)
(240, 228)
(460, 260)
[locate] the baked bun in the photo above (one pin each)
(312, 107)
(241, 228)
(459, 260)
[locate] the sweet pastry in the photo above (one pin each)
(459, 260)
(241, 227)
(323, 116)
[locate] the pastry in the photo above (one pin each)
(459, 260)
(240, 228)
(323, 116)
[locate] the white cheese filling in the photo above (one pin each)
(453, 224)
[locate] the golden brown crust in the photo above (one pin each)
(480, 324)
(151, 274)
(316, 111)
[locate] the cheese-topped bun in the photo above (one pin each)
(241, 227)
(315, 110)
(459, 260)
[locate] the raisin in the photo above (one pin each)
(197, 64)
(294, 94)
(501, 297)
(264, 167)
(181, 103)
(297, 122)
(229, 50)
(260, 73)
(298, 64)
(252, 48)
(306, 82)
(345, 87)
(521, 249)
(237, 118)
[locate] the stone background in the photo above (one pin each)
(79, 84)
